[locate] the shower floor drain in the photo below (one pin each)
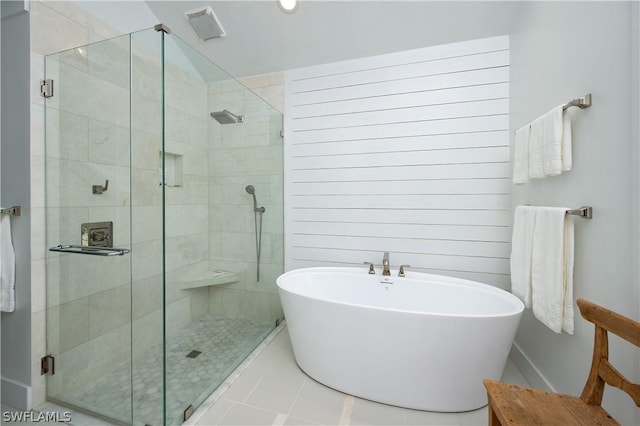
(193, 354)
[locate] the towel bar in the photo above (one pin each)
(585, 211)
(13, 211)
(582, 103)
(92, 250)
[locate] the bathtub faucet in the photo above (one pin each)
(371, 270)
(385, 264)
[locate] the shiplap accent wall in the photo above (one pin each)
(406, 153)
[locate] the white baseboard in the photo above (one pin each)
(529, 370)
(15, 394)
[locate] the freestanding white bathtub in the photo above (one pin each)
(422, 341)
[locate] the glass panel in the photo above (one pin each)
(217, 311)
(88, 297)
(146, 217)
(146, 151)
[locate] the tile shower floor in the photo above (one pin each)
(274, 391)
(223, 343)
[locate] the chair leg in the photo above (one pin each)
(493, 419)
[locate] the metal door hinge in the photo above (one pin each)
(188, 412)
(46, 88)
(162, 27)
(47, 365)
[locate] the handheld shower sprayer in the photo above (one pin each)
(257, 219)
(251, 190)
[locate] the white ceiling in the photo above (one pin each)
(262, 39)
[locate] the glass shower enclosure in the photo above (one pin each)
(152, 236)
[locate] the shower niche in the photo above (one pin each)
(120, 327)
(171, 173)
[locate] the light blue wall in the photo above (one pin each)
(560, 51)
(15, 181)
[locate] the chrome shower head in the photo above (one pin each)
(227, 117)
(251, 190)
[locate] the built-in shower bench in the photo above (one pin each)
(201, 275)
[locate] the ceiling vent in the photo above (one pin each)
(205, 23)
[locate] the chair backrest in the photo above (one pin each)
(601, 370)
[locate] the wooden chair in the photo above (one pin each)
(515, 405)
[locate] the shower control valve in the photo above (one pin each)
(371, 270)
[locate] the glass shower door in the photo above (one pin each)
(219, 139)
(88, 222)
(104, 133)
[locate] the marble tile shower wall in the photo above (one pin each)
(241, 155)
(187, 202)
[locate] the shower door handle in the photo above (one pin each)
(92, 250)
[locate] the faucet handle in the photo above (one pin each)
(401, 271)
(371, 270)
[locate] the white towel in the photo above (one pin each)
(556, 142)
(552, 269)
(521, 156)
(536, 149)
(7, 266)
(552, 141)
(521, 248)
(567, 155)
(567, 303)
(550, 144)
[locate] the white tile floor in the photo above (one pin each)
(274, 391)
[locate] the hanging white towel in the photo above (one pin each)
(552, 141)
(567, 303)
(552, 269)
(521, 249)
(550, 144)
(567, 154)
(536, 149)
(7, 266)
(521, 156)
(556, 142)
